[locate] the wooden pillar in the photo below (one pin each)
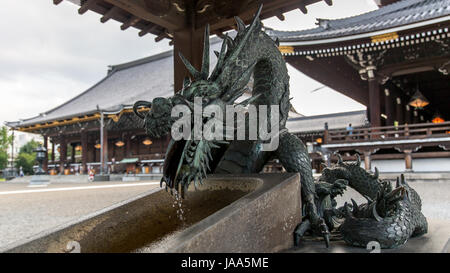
(62, 154)
(72, 158)
(190, 43)
(399, 111)
(45, 163)
(127, 145)
(374, 102)
(408, 160)
(104, 155)
(389, 108)
(53, 151)
(408, 111)
(415, 116)
(84, 151)
(367, 161)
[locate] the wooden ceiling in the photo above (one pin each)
(163, 17)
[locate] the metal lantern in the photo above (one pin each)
(41, 153)
(418, 100)
(147, 141)
(120, 143)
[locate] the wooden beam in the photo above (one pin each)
(281, 17)
(57, 2)
(109, 14)
(161, 36)
(148, 29)
(271, 8)
(138, 9)
(131, 22)
(303, 9)
(190, 44)
(85, 7)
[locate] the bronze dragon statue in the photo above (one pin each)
(390, 217)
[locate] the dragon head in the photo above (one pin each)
(189, 160)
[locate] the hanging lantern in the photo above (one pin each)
(78, 148)
(98, 146)
(418, 101)
(437, 118)
(319, 140)
(147, 141)
(120, 143)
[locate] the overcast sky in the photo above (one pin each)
(49, 54)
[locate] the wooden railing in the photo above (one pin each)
(412, 131)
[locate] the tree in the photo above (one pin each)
(26, 161)
(29, 147)
(5, 142)
(27, 158)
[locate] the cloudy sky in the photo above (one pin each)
(49, 54)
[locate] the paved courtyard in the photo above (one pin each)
(25, 210)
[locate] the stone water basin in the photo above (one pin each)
(228, 213)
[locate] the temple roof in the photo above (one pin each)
(142, 79)
(406, 14)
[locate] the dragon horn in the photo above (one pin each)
(368, 198)
(347, 210)
(339, 158)
(197, 75)
(220, 59)
(205, 61)
(355, 206)
(375, 213)
(377, 173)
(240, 24)
(402, 180)
(358, 160)
(242, 43)
(397, 183)
(186, 82)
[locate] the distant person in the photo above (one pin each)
(21, 171)
(350, 129)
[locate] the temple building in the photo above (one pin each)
(394, 60)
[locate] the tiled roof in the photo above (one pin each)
(335, 121)
(398, 14)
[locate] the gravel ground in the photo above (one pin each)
(26, 214)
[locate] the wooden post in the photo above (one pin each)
(407, 114)
(53, 151)
(72, 159)
(389, 108)
(104, 154)
(62, 154)
(84, 151)
(190, 43)
(415, 116)
(367, 161)
(408, 160)
(374, 102)
(127, 145)
(45, 163)
(399, 111)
